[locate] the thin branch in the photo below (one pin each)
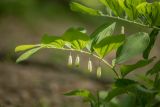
(85, 52)
(129, 21)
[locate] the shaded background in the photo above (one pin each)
(42, 80)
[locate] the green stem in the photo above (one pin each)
(118, 76)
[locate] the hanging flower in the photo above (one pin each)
(77, 61)
(90, 65)
(70, 60)
(99, 70)
(122, 30)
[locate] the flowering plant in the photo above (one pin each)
(103, 41)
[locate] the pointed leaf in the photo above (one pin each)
(24, 47)
(75, 38)
(27, 54)
(108, 44)
(134, 45)
(125, 69)
(99, 34)
(84, 9)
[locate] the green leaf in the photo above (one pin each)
(114, 6)
(129, 7)
(151, 12)
(155, 69)
(114, 92)
(24, 47)
(108, 44)
(148, 82)
(99, 34)
(121, 83)
(125, 69)
(81, 93)
(55, 41)
(84, 9)
(122, 86)
(75, 38)
(27, 54)
(134, 45)
(157, 82)
(153, 35)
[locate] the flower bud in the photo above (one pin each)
(77, 61)
(90, 65)
(122, 30)
(99, 70)
(70, 60)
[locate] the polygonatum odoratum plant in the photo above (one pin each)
(141, 92)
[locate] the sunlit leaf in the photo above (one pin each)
(108, 44)
(134, 45)
(24, 47)
(84, 9)
(27, 54)
(75, 38)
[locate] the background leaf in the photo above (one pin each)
(84, 9)
(134, 45)
(108, 44)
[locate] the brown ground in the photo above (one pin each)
(24, 86)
